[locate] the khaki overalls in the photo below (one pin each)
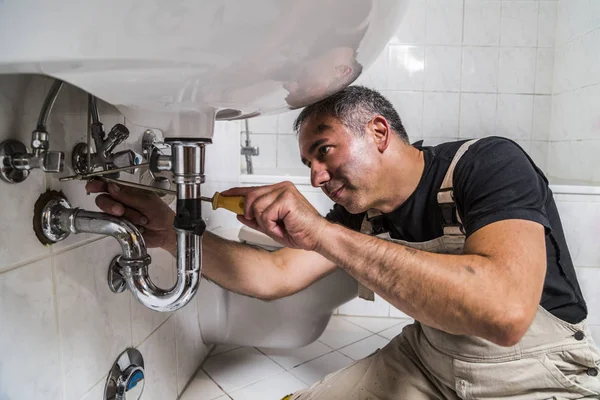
(554, 360)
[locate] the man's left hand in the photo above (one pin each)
(282, 213)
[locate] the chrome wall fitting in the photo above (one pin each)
(16, 161)
(10, 149)
(85, 161)
(126, 377)
(154, 146)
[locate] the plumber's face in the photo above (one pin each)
(341, 162)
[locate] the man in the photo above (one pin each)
(473, 250)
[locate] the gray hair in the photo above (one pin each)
(355, 106)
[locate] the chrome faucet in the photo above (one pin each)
(85, 161)
(16, 162)
(248, 151)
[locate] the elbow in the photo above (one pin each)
(510, 329)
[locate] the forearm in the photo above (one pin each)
(459, 294)
(237, 267)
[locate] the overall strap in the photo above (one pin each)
(451, 219)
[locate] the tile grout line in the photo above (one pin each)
(58, 330)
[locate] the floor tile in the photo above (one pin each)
(241, 367)
(340, 333)
(202, 387)
(273, 388)
(223, 348)
(290, 358)
(315, 370)
(374, 325)
(395, 330)
(364, 348)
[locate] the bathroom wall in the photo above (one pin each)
(575, 128)
(454, 69)
(60, 326)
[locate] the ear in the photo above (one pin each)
(381, 132)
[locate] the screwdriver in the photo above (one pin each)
(232, 203)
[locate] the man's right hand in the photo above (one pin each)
(143, 208)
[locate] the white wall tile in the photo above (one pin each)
(580, 224)
(412, 27)
(406, 67)
(409, 106)
(444, 22)
(547, 23)
(97, 391)
(544, 71)
(440, 115)
(538, 151)
(223, 155)
(564, 161)
(591, 51)
(519, 23)
(28, 334)
(262, 124)
(288, 153)
(267, 150)
(477, 115)
(588, 281)
(160, 365)
(442, 68)
(542, 108)
(285, 121)
(17, 213)
(191, 351)
(376, 75)
(434, 141)
(514, 116)
(480, 69)
(482, 22)
(95, 324)
(517, 70)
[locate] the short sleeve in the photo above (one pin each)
(495, 180)
(340, 215)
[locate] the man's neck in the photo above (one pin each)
(405, 171)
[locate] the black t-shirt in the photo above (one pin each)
(494, 180)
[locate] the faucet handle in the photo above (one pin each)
(117, 135)
(53, 161)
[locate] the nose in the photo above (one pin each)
(318, 174)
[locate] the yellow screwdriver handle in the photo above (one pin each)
(232, 203)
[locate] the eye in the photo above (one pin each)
(323, 150)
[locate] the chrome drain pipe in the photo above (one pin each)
(54, 220)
